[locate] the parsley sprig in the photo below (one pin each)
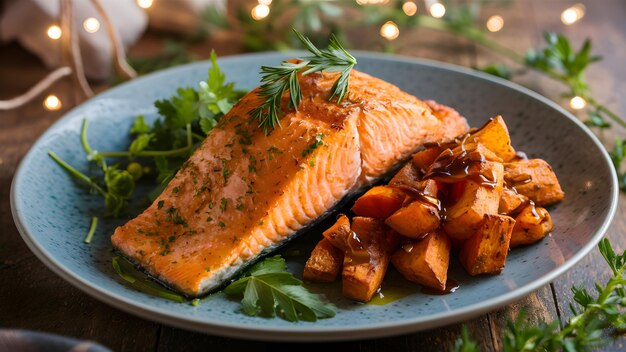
(593, 313)
(269, 290)
(278, 79)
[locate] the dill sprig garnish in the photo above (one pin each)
(278, 79)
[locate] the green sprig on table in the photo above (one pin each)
(593, 314)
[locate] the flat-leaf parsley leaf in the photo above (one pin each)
(269, 290)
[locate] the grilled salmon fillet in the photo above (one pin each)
(243, 193)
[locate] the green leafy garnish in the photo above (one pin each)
(278, 79)
(269, 290)
(117, 185)
(593, 314)
(142, 282)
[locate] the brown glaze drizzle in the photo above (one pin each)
(357, 251)
(419, 194)
(451, 167)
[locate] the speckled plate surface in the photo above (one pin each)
(52, 213)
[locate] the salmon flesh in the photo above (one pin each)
(243, 193)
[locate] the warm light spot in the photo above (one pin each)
(260, 11)
(145, 4)
(389, 30)
(437, 10)
(372, 2)
(577, 103)
(91, 25)
(409, 8)
(54, 32)
(52, 103)
(495, 23)
(265, 2)
(573, 14)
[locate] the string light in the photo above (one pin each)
(578, 103)
(52, 103)
(54, 32)
(260, 11)
(372, 2)
(437, 10)
(389, 30)
(573, 14)
(91, 25)
(409, 8)
(265, 2)
(495, 23)
(145, 4)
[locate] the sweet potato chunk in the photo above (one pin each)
(466, 215)
(362, 275)
(408, 179)
(425, 261)
(424, 158)
(379, 202)
(531, 225)
(324, 264)
(407, 175)
(535, 179)
(338, 233)
(511, 202)
(495, 136)
(485, 252)
(415, 220)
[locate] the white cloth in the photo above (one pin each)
(27, 21)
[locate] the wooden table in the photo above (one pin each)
(32, 297)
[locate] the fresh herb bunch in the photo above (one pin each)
(164, 145)
(268, 290)
(278, 79)
(593, 314)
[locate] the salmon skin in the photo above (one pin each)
(244, 193)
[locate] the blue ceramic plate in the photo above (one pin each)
(52, 213)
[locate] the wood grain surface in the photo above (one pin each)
(32, 297)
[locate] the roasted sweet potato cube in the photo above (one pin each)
(465, 216)
(409, 175)
(495, 136)
(511, 202)
(424, 158)
(480, 148)
(324, 264)
(531, 225)
(485, 252)
(415, 220)
(338, 234)
(361, 275)
(535, 179)
(379, 202)
(425, 261)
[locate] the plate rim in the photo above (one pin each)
(309, 332)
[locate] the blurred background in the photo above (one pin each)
(54, 54)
